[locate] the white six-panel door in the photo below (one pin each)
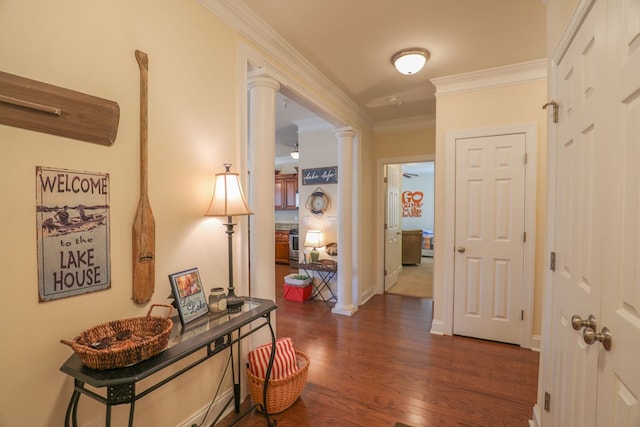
(392, 232)
(596, 227)
(578, 227)
(489, 237)
(619, 369)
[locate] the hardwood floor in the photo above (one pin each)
(382, 366)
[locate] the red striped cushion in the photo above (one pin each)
(284, 363)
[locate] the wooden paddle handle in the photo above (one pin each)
(143, 63)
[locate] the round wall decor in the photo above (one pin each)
(318, 202)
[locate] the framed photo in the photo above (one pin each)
(188, 292)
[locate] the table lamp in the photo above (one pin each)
(315, 239)
(228, 200)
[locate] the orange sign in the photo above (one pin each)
(412, 203)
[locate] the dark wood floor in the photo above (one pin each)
(382, 366)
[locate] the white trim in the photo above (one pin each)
(315, 124)
(438, 327)
(241, 18)
(509, 75)
(448, 240)
(536, 421)
(379, 219)
(579, 14)
(218, 405)
(536, 341)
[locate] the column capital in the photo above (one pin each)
(345, 132)
(261, 78)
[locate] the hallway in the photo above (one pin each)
(382, 367)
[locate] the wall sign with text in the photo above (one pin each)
(72, 221)
(320, 176)
(412, 203)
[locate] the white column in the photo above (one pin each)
(345, 305)
(262, 148)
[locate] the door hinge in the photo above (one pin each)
(385, 226)
(385, 272)
(521, 314)
(525, 157)
(552, 261)
(524, 236)
(553, 104)
(385, 179)
(547, 401)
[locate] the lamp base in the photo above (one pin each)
(234, 303)
(314, 255)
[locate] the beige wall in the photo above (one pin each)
(89, 47)
(193, 129)
(492, 108)
(404, 143)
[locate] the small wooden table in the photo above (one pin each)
(326, 270)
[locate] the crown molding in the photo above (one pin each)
(241, 18)
(509, 75)
(405, 124)
(315, 124)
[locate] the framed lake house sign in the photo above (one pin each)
(72, 227)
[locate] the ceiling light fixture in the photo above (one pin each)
(294, 154)
(410, 61)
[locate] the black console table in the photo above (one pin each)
(213, 332)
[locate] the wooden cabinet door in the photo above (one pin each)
(282, 247)
(286, 187)
(279, 193)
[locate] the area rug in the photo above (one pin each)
(415, 280)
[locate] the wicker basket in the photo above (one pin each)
(282, 393)
(124, 342)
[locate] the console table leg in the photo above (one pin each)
(72, 410)
(272, 357)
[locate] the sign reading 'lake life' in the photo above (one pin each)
(72, 220)
(320, 176)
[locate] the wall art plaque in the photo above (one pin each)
(72, 221)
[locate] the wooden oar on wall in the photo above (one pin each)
(144, 238)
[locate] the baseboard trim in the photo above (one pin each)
(438, 327)
(196, 417)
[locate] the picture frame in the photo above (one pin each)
(188, 292)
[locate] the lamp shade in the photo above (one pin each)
(314, 238)
(228, 198)
(410, 61)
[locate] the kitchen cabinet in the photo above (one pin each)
(286, 189)
(282, 247)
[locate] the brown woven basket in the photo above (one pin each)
(281, 394)
(124, 342)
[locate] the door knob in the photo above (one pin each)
(577, 323)
(461, 249)
(605, 337)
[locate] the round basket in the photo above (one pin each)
(124, 342)
(282, 393)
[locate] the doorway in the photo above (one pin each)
(409, 219)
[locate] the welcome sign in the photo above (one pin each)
(72, 221)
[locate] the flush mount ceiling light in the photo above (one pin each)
(294, 153)
(410, 61)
